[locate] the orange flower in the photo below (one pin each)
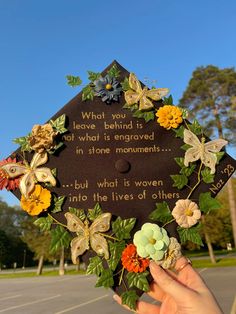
(38, 201)
(131, 261)
(5, 181)
(169, 116)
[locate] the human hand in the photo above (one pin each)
(183, 292)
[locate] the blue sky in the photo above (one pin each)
(43, 41)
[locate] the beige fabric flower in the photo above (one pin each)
(186, 213)
(172, 254)
(42, 137)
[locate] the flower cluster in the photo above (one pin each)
(108, 88)
(38, 201)
(132, 262)
(13, 174)
(151, 241)
(5, 180)
(42, 137)
(169, 116)
(172, 254)
(186, 213)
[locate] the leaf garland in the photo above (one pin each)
(207, 203)
(130, 299)
(95, 266)
(73, 80)
(60, 238)
(44, 223)
(138, 280)
(123, 227)
(95, 212)
(162, 213)
(105, 279)
(190, 234)
(115, 249)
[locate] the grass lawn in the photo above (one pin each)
(197, 263)
(45, 273)
(221, 262)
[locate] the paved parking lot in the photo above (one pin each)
(76, 294)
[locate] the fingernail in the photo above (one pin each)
(154, 267)
(116, 297)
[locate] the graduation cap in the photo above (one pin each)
(109, 168)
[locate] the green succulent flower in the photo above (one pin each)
(151, 241)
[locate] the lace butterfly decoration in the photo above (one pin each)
(137, 95)
(88, 235)
(30, 174)
(206, 152)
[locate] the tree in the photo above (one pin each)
(12, 248)
(37, 241)
(210, 97)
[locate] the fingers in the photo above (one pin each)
(167, 283)
(156, 292)
(182, 263)
(142, 307)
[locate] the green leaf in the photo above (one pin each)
(180, 161)
(23, 143)
(125, 84)
(73, 80)
(60, 237)
(57, 203)
(132, 108)
(146, 115)
(219, 155)
(207, 177)
(208, 203)
(59, 124)
(95, 212)
(162, 213)
(185, 147)
(122, 228)
(168, 100)
(106, 279)
(195, 127)
(78, 212)
(55, 148)
(187, 171)
(184, 113)
(114, 71)
(87, 93)
(95, 266)
(115, 249)
(190, 234)
(44, 223)
(93, 76)
(54, 172)
(180, 180)
(130, 299)
(138, 280)
(179, 132)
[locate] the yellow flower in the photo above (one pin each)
(39, 200)
(169, 116)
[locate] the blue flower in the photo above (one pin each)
(108, 88)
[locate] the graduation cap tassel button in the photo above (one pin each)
(122, 165)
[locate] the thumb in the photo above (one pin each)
(168, 284)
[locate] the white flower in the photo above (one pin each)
(172, 254)
(186, 213)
